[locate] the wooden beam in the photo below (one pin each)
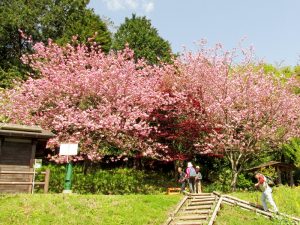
(180, 204)
(214, 215)
(20, 172)
(20, 183)
(33, 150)
(252, 207)
(47, 179)
(1, 140)
(246, 206)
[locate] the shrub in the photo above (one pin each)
(110, 181)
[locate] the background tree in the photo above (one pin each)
(244, 107)
(144, 39)
(43, 19)
(291, 152)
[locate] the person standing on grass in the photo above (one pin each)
(191, 176)
(266, 192)
(198, 180)
(181, 179)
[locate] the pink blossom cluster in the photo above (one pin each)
(244, 108)
(86, 96)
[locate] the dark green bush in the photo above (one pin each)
(114, 181)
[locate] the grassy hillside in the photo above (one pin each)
(86, 209)
(129, 209)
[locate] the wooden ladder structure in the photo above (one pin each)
(198, 209)
(194, 209)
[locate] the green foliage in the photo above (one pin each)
(143, 39)
(80, 21)
(270, 172)
(40, 209)
(218, 173)
(291, 151)
(220, 180)
(113, 181)
(43, 19)
(222, 183)
(244, 182)
(284, 73)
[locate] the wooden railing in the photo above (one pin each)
(215, 212)
(227, 199)
(32, 183)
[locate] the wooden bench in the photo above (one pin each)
(173, 191)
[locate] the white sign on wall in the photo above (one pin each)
(37, 163)
(68, 149)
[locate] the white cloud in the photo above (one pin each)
(148, 6)
(115, 5)
(132, 4)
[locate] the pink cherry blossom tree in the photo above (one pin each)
(99, 100)
(242, 107)
(86, 96)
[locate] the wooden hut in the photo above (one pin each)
(18, 146)
(283, 170)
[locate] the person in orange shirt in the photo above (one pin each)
(266, 192)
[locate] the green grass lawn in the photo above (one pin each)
(287, 200)
(86, 209)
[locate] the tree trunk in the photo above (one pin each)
(176, 165)
(234, 177)
(137, 163)
(236, 161)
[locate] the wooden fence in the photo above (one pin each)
(32, 183)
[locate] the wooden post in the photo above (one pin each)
(47, 179)
(31, 177)
(292, 184)
(279, 175)
(33, 150)
(1, 140)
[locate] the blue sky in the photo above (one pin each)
(271, 26)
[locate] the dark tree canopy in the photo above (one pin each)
(43, 19)
(144, 39)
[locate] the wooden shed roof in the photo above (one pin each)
(16, 130)
(273, 163)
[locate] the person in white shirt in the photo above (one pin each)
(266, 192)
